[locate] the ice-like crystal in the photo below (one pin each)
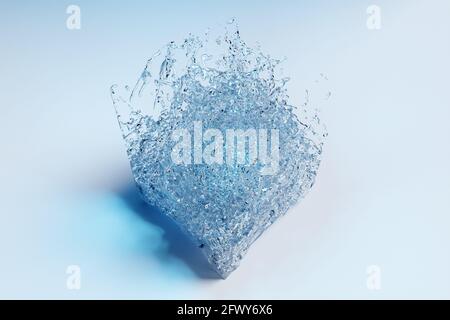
(225, 84)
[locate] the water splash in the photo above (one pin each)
(225, 83)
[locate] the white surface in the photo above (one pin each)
(381, 197)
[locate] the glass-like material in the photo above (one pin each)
(225, 84)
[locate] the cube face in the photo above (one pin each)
(226, 156)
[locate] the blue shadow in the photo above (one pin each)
(181, 245)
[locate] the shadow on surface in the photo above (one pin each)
(180, 245)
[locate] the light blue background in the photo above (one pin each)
(382, 196)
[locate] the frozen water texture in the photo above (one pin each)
(224, 83)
